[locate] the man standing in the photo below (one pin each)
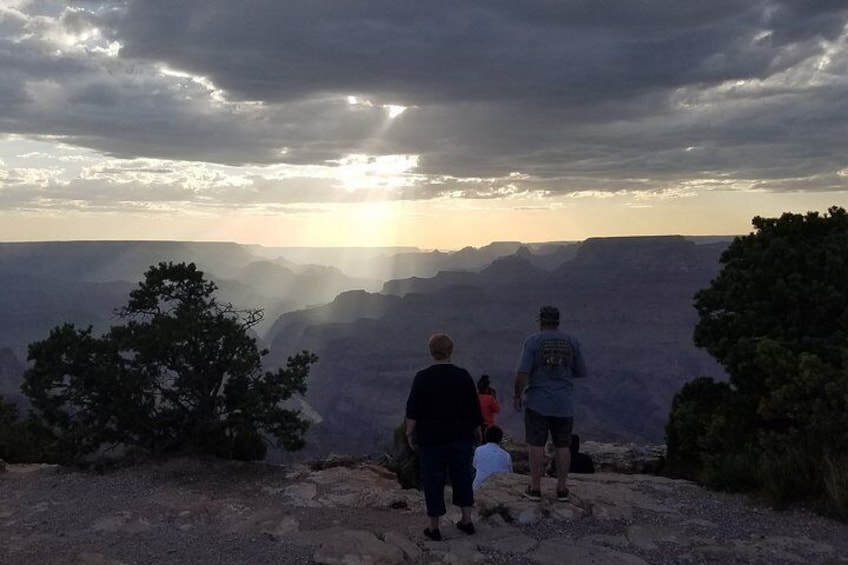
(544, 388)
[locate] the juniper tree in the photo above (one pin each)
(182, 373)
(776, 317)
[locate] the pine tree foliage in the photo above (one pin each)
(183, 373)
(776, 317)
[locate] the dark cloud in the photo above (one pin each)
(800, 20)
(474, 50)
(578, 94)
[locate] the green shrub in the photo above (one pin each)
(23, 440)
(836, 484)
(776, 318)
(734, 470)
(402, 460)
(8, 422)
(248, 445)
(788, 472)
(182, 374)
(690, 431)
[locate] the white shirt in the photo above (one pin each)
(490, 458)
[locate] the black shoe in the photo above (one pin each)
(532, 494)
(467, 528)
(562, 495)
(434, 535)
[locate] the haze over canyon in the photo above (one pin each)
(367, 313)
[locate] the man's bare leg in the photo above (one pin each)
(537, 464)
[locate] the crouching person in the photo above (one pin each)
(490, 458)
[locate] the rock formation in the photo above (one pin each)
(188, 511)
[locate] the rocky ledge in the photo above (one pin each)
(625, 458)
(189, 511)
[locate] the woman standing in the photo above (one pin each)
(488, 402)
(443, 422)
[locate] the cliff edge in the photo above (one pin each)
(189, 511)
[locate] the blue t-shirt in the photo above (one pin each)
(552, 359)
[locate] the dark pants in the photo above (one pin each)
(443, 460)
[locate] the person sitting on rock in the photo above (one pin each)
(491, 458)
(580, 462)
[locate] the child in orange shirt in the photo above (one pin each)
(488, 402)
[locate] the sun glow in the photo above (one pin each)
(394, 110)
(359, 171)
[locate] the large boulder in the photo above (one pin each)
(628, 458)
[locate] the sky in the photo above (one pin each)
(433, 124)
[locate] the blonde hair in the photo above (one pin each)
(441, 347)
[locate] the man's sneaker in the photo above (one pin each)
(467, 527)
(562, 495)
(532, 494)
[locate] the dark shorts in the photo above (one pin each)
(537, 427)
